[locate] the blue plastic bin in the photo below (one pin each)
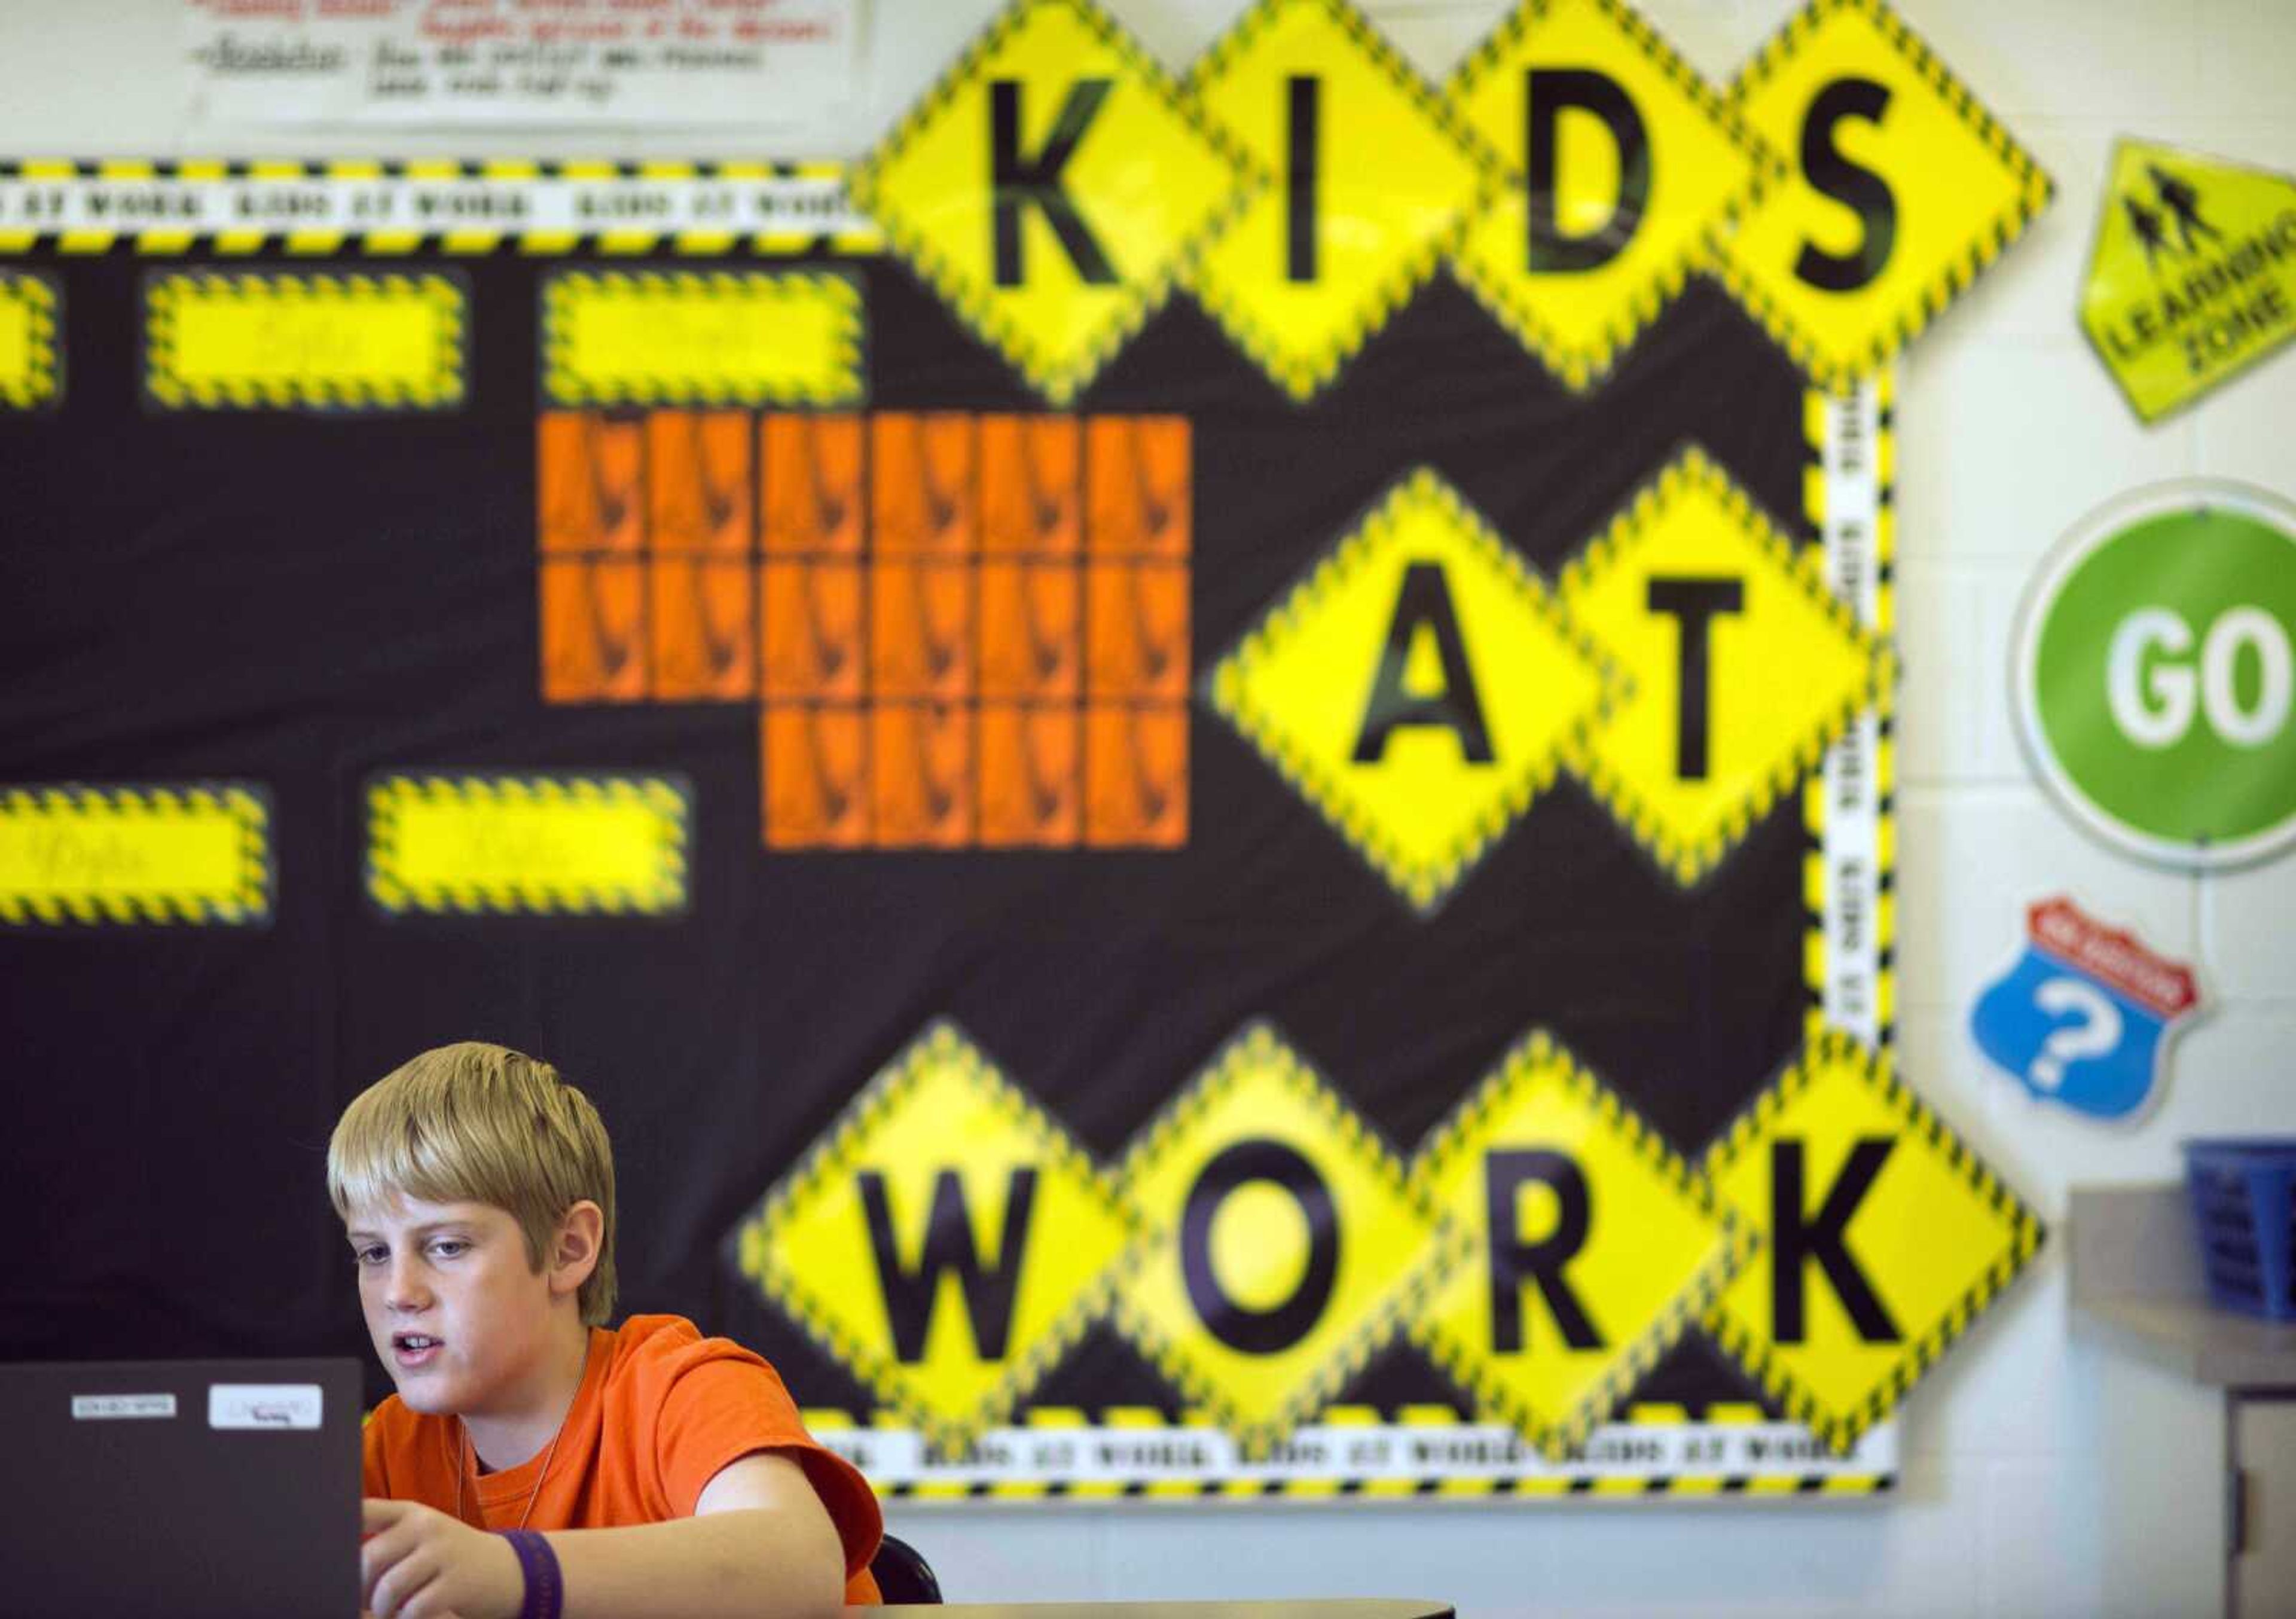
(2241, 1190)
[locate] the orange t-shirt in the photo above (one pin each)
(660, 1410)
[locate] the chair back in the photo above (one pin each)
(902, 1573)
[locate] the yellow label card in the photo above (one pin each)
(251, 342)
(760, 338)
(29, 372)
(526, 843)
(198, 854)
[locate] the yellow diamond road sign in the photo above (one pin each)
(1286, 1247)
(1050, 187)
(946, 1241)
(1747, 665)
(1373, 172)
(1903, 188)
(1419, 687)
(1592, 1246)
(1624, 166)
(1885, 1237)
(2194, 275)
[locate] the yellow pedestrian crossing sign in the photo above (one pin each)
(2194, 275)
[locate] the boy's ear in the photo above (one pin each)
(574, 1250)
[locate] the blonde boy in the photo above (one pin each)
(535, 1460)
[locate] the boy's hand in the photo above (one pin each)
(420, 1564)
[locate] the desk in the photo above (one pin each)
(1354, 1607)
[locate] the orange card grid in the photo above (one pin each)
(921, 630)
(1029, 786)
(922, 495)
(702, 647)
(1028, 629)
(1135, 629)
(921, 775)
(810, 622)
(1136, 775)
(698, 480)
(592, 631)
(811, 471)
(1029, 472)
(1138, 485)
(816, 770)
(589, 484)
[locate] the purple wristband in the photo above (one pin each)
(545, 1590)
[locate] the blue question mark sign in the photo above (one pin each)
(2081, 1018)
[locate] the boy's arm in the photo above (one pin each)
(760, 1543)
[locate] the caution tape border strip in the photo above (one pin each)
(1303, 380)
(670, 796)
(247, 803)
(1059, 382)
(834, 1154)
(39, 386)
(1731, 1245)
(1578, 367)
(1260, 1044)
(1608, 1488)
(167, 292)
(564, 388)
(1816, 963)
(1226, 689)
(458, 241)
(1840, 1429)
(2035, 190)
(1692, 468)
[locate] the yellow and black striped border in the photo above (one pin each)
(174, 299)
(1302, 381)
(39, 304)
(1686, 862)
(1563, 1487)
(1520, 314)
(1884, 763)
(1830, 1047)
(1225, 689)
(758, 291)
(2035, 190)
(1258, 1045)
(1562, 1433)
(667, 801)
(425, 236)
(1059, 380)
(244, 807)
(833, 1158)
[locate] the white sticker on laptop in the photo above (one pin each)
(262, 1405)
(120, 1408)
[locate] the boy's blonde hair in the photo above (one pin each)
(479, 1123)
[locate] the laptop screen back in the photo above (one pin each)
(188, 1488)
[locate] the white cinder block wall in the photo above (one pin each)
(2039, 1477)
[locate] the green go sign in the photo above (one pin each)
(2155, 668)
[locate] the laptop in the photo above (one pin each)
(183, 1487)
